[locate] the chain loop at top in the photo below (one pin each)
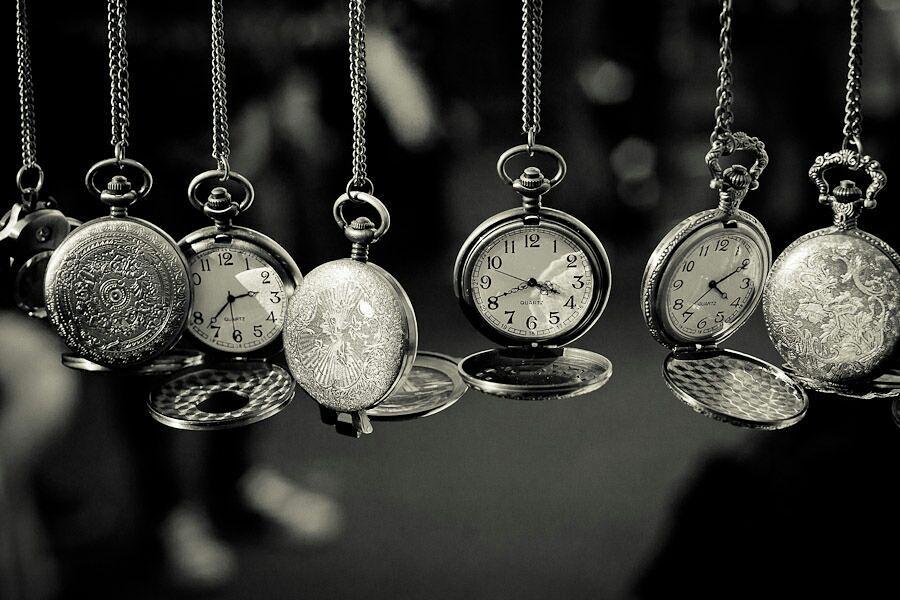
(26, 91)
(853, 106)
(221, 146)
(532, 38)
(724, 93)
(358, 92)
(118, 75)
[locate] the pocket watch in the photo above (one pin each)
(241, 279)
(832, 303)
(29, 233)
(533, 279)
(117, 287)
(350, 333)
(703, 281)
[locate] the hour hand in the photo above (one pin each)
(715, 285)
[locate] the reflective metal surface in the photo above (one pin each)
(118, 291)
(433, 385)
(350, 335)
(167, 362)
(223, 396)
(832, 305)
(735, 388)
(536, 373)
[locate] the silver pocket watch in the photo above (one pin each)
(117, 288)
(703, 281)
(241, 281)
(533, 279)
(832, 303)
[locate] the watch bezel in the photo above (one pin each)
(261, 246)
(668, 249)
(549, 218)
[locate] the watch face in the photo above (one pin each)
(533, 282)
(239, 299)
(712, 284)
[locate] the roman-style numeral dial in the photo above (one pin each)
(712, 285)
(533, 283)
(239, 300)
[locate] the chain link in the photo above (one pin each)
(118, 75)
(853, 107)
(358, 94)
(26, 89)
(221, 146)
(724, 94)
(532, 38)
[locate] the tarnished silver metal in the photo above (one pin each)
(170, 362)
(116, 17)
(853, 104)
(359, 92)
(883, 386)
(26, 100)
(28, 239)
(384, 216)
(557, 284)
(724, 94)
(219, 178)
(222, 396)
(350, 335)
(433, 385)
(735, 388)
(832, 302)
(118, 291)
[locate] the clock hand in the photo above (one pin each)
(250, 294)
(231, 309)
(224, 306)
(740, 268)
(522, 286)
(513, 276)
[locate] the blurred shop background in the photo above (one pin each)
(624, 493)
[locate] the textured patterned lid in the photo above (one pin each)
(735, 388)
(227, 395)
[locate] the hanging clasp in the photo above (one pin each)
(734, 182)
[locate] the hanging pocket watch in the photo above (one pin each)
(241, 279)
(702, 283)
(34, 226)
(832, 303)
(241, 282)
(117, 288)
(350, 333)
(29, 233)
(533, 279)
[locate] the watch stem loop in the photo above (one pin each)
(361, 232)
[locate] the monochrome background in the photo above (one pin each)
(621, 493)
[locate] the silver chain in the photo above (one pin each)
(221, 147)
(358, 94)
(532, 34)
(26, 88)
(118, 75)
(724, 94)
(853, 107)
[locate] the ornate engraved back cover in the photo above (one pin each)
(117, 288)
(350, 335)
(832, 303)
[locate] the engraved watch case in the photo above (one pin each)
(722, 384)
(832, 303)
(350, 333)
(117, 287)
(533, 364)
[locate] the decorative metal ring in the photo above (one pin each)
(119, 151)
(369, 188)
(849, 159)
(222, 176)
(362, 197)
(20, 178)
(734, 143)
(225, 168)
(530, 150)
(90, 178)
(852, 143)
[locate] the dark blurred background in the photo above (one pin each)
(621, 493)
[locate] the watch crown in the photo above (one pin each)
(118, 195)
(531, 179)
(847, 191)
(220, 207)
(360, 231)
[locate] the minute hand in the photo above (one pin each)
(740, 268)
